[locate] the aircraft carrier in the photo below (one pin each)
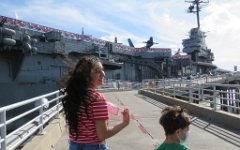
(33, 57)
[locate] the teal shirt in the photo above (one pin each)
(172, 146)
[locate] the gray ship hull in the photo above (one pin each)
(26, 76)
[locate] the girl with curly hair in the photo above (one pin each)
(85, 109)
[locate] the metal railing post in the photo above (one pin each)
(164, 83)
(163, 87)
(202, 93)
(41, 119)
(174, 92)
(57, 105)
(3, 130)
(190, 91)
(142, 84)
(214, 98)
(199, 92)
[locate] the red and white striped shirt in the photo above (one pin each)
(97, 110)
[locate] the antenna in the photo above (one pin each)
(82, 30)
(195, 7)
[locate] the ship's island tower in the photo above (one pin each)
(195, 46)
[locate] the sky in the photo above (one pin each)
(167, 21)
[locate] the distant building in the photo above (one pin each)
(235, 68)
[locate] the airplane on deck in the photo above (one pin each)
(149, 43)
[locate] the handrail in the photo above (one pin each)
(6, 108)
(217, 96)
(40, 115)
(10, 140)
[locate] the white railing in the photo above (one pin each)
(36, 112)
(217, 96)
(148, 83)
(119, 84)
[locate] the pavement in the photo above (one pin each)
(144, 131)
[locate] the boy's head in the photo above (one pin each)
(173, 119)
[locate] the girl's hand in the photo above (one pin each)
(126, 118)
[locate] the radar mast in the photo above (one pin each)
(195, 7)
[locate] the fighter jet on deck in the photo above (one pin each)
(149, 43)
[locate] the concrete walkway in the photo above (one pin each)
(145, 133)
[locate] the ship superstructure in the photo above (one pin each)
(195, 45)
(33, 57)
(201, 55)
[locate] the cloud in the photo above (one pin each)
(62, 15)
(168, 26)
(223, 23)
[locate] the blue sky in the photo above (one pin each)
(165, 20)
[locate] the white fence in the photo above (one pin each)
(42, 109)
(120, 85)
(217, 96)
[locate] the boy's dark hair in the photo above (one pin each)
(174, 118)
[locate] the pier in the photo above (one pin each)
(144, 131)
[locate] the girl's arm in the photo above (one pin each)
(104, 131)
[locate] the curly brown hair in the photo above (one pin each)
(174, 118)
(76, 91)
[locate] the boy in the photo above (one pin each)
(175, 122)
